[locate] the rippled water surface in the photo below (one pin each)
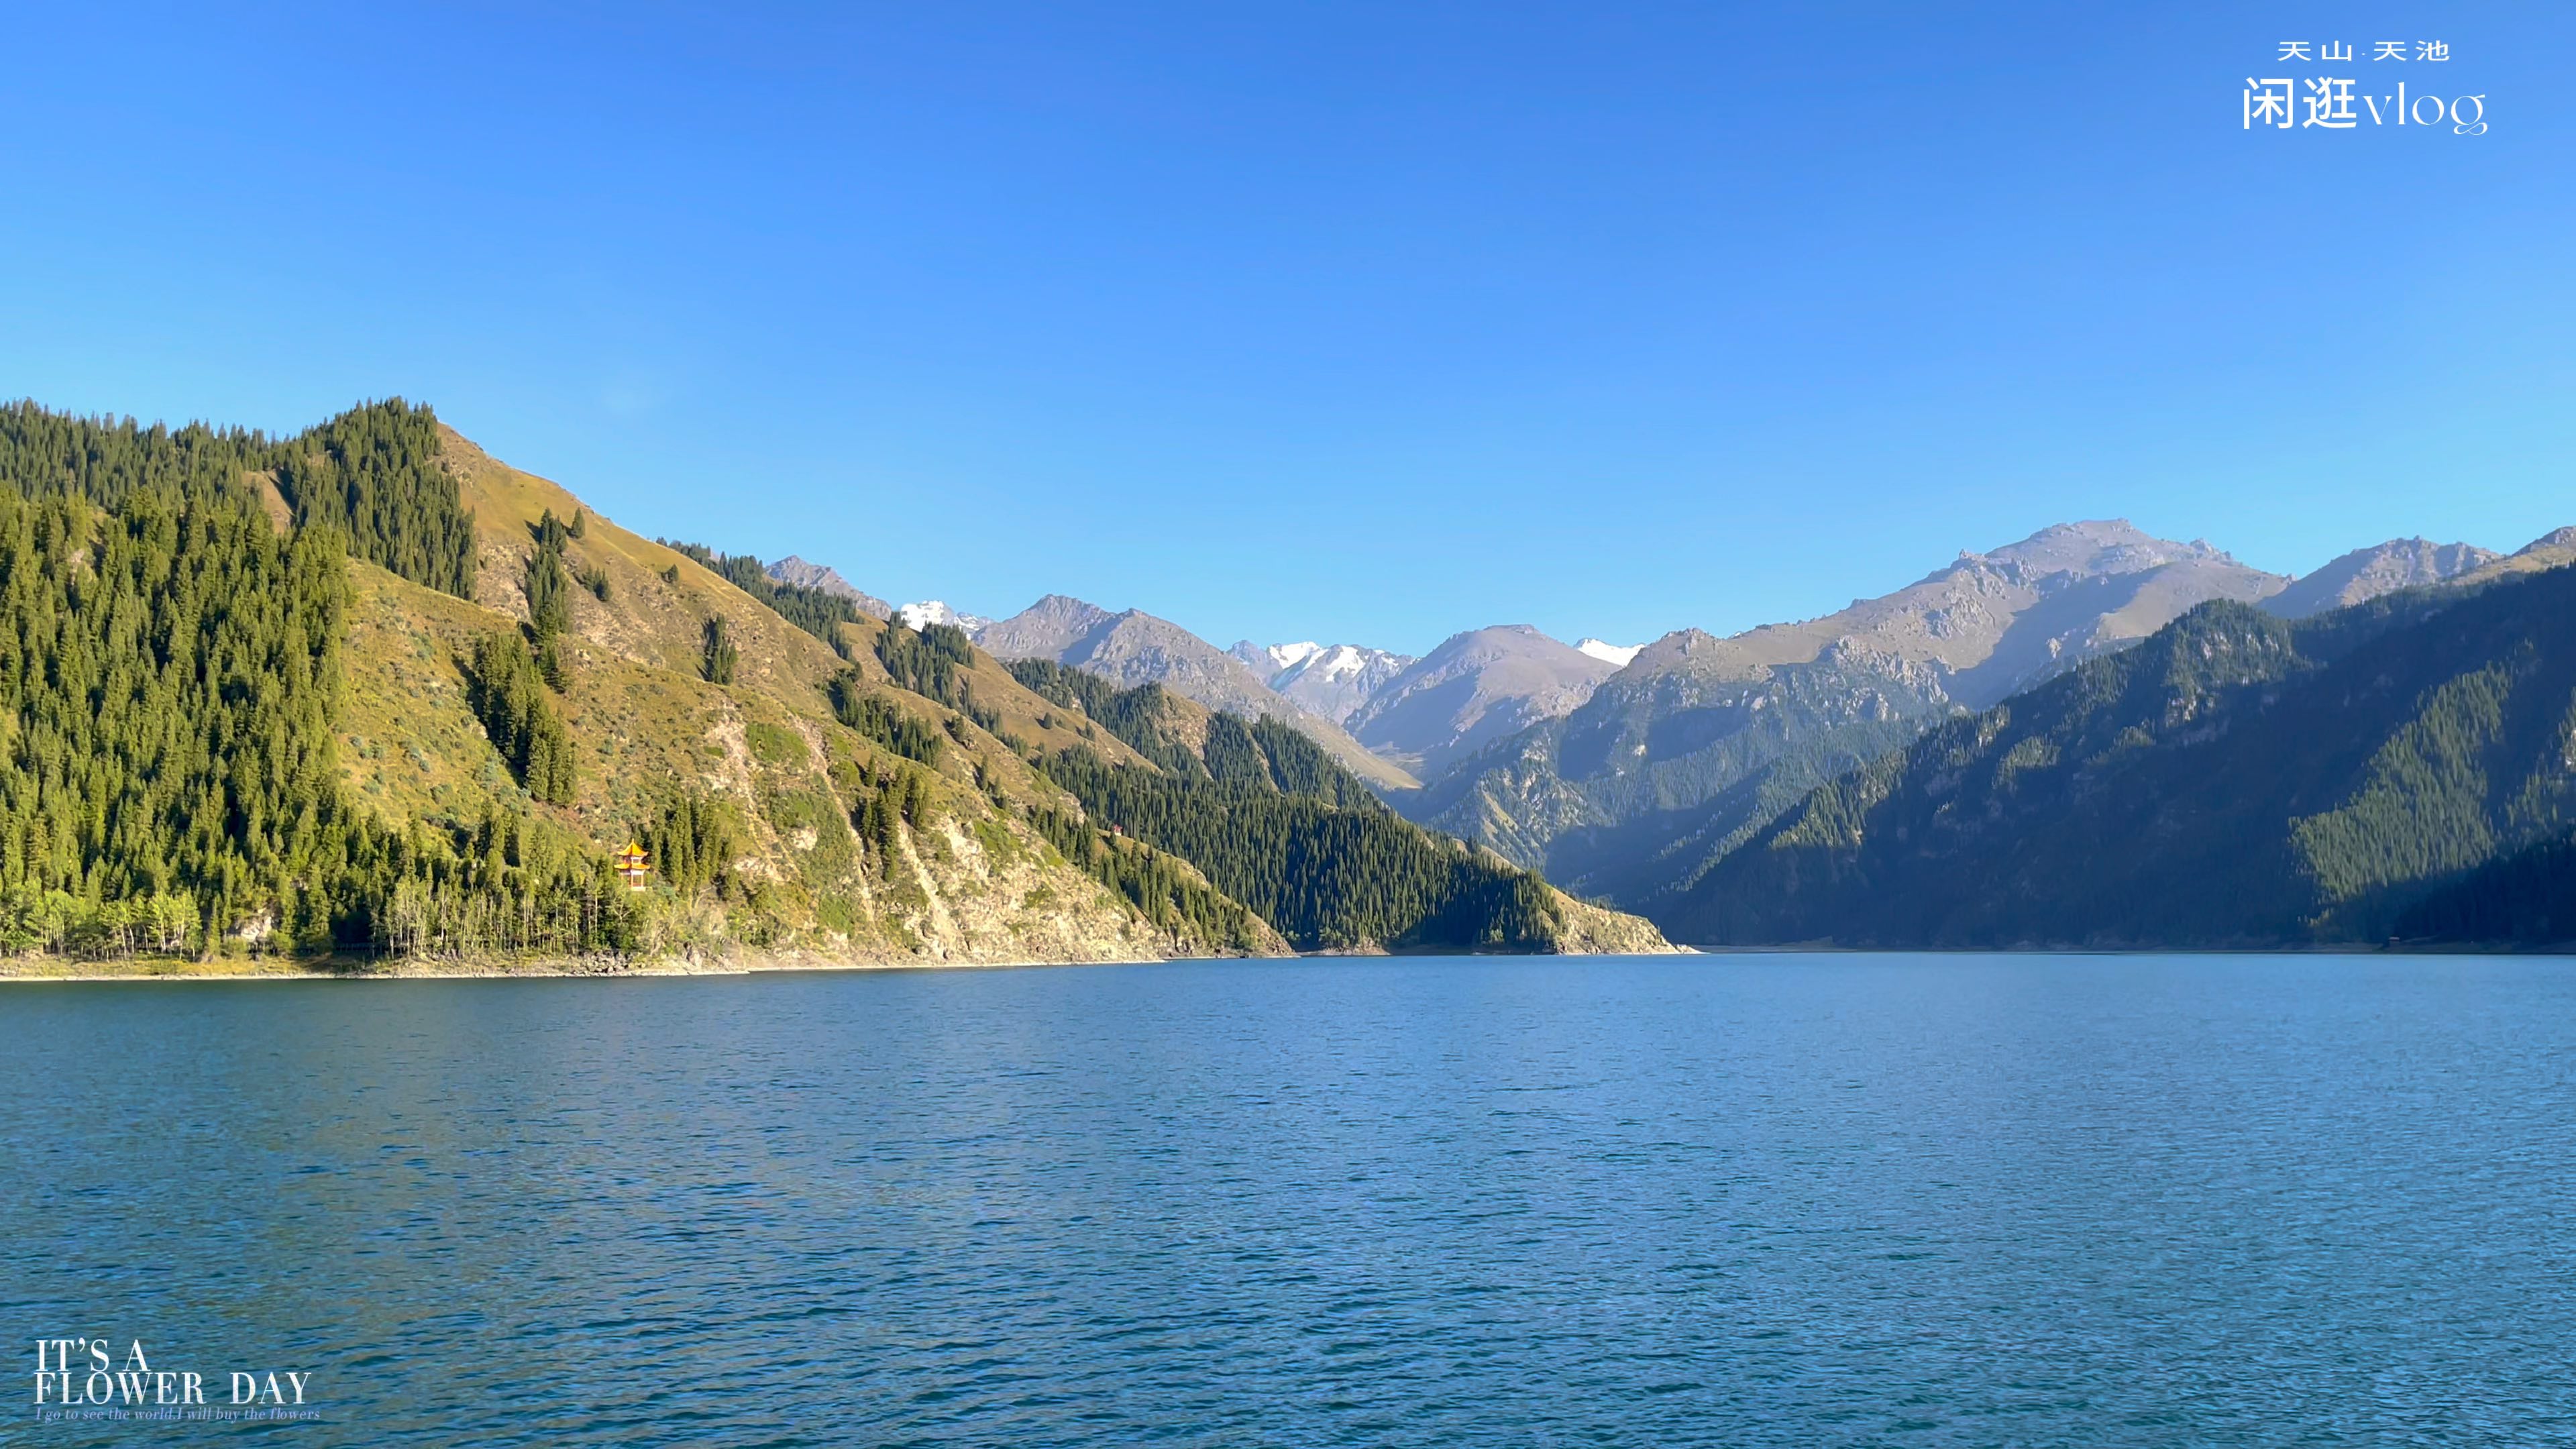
(1726, 1201)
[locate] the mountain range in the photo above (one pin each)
(2400, 767)
(419, 697)
(1624, 781)
(1477, 687)
(1700, 738)
(1626, 773)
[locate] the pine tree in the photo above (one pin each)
(693, 843)
(720, 655)
(509, 695)
(549, 592)
(881, 721)
(373, 473)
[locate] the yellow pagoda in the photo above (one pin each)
(630, 864)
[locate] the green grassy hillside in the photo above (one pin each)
(962, 873)
(368, 692)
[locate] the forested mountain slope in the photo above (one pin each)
(1276, 822)
(2238, 779)
(2525, 899)
(436, 757)
(366, 691)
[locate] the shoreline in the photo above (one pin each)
(745, 963)
(48, 969)
(335, 969)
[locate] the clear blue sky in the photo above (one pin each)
(1362, 322)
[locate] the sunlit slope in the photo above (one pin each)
(415, 701)
(642, 717)
(971, 881)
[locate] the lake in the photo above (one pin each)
(1731, 1200)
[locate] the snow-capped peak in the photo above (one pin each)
(917, 617)
(1339, 662)
(1331, 663)
(1616, 655)
(1289, 656)
(1330, 679)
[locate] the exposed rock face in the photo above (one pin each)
(1134, 647)
(1048, 629)
(1476, 688)
(1592, 930)
(2366, 573)
(2554, 549)
(805, 575)
(1993, 622)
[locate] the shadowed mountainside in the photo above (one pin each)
(1700, 740)
(2238, 780)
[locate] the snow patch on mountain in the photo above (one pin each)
(1613, 654)
(1341, 661)
(917, 617)
(1289, 656)
(1330, 679)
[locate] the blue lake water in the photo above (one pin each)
(1740, 1200)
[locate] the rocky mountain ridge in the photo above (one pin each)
(2368, 573)
(1132, 647)
(1331, 679)
(804, 575)
(1699, 738)
(1477, 687)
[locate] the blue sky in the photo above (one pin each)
(1363, 323)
